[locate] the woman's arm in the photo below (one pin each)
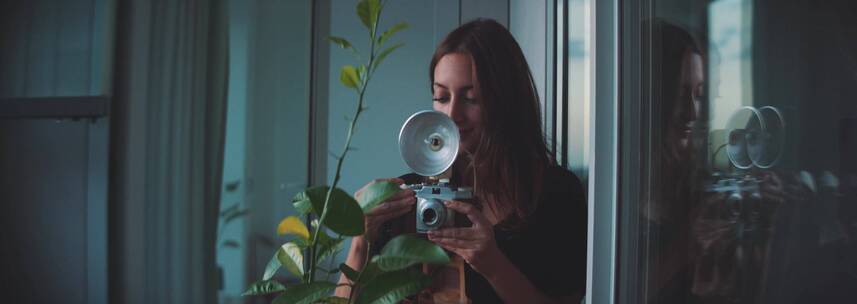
(356, 257)
(512, 286)
(400, 203)
(477, 246)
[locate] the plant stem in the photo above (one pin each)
(356, 282)
(341, 157)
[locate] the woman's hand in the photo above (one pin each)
(393, 207)
(475, 244)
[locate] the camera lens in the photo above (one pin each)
(429, 216)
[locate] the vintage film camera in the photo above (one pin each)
(754, 141)
(429, 143)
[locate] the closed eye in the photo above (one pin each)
(441, 99)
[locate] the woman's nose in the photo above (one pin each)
(455, 110)
(690, 110)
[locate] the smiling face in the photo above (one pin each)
(688, 106)
(455, 93)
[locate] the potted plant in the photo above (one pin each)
(385, 278)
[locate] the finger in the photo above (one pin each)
(378, 220)
(394, 214)
(402, 194)
(392, 180)
(458, 251)
(452, 243)
(472, 213)
(456, 233)
(393, 206)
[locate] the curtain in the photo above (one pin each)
(166, 150)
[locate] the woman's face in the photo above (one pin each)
(455, 93)
(686, 113)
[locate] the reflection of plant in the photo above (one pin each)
(385, 278)
(227, 216)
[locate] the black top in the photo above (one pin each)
(550, 250)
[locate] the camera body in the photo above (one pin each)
(431, 213)
(429, 143)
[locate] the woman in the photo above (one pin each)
(679, 94)
(526, 206)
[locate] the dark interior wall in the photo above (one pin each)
(809, 69)
(43, 186)
(52, 173)
(50, 48)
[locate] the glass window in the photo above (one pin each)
(743, 187)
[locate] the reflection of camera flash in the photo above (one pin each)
(435, 142)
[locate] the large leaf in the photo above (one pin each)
(406, 250)
(293, 225)
(273, 266)
(389, 32)
(305, 293)
(392, 287)
(383, 54)
(345, 216)
(291, 258)
(333, 300)
(348, 76)
(377, 193)
(264, 287)
(366, 275)
(368, 11)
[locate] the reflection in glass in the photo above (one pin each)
(751, 153)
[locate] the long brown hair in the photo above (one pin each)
(679, 167)
(511, 156)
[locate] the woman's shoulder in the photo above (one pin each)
(560, 180)
(562, 195)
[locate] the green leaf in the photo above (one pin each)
(305, 293)
(349, 272)
(383, 54)
(368, 11)
(392, 287)
(406, 250)
(333, 300)
(345, 216)
(361, 74)
(342, 42)
(291, 258)
(263, 287)
(369, 273)
(392, 30)
(348, 76)
(272, 267)
(302, 202)
(377, 193)
(327, 245)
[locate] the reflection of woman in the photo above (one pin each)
(704, 248)
(525, 203)
(679, 95)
